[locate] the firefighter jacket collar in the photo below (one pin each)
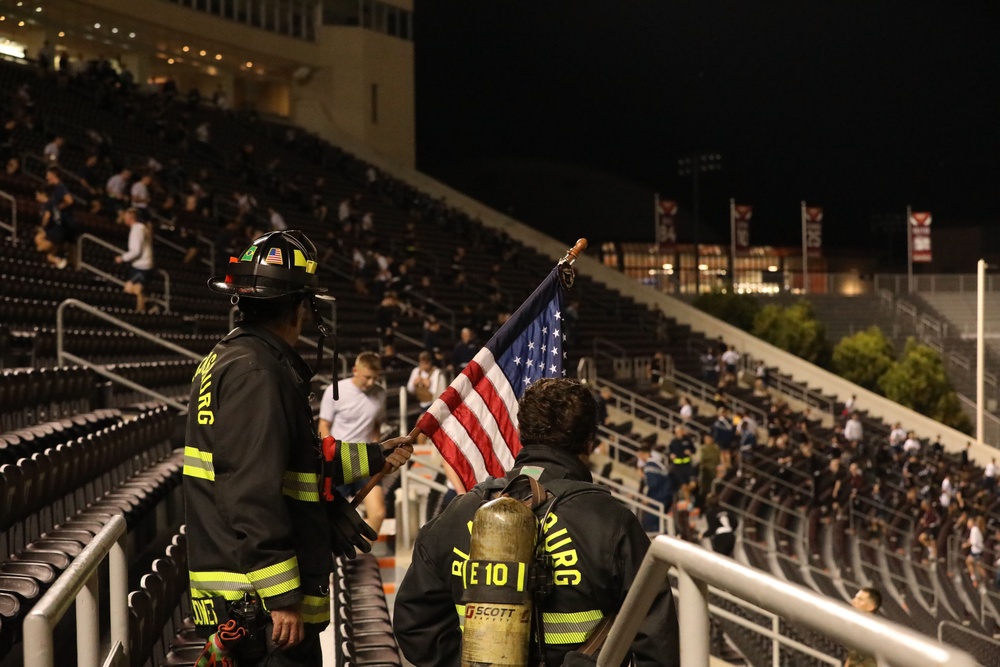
(557, 463)
(284, 351)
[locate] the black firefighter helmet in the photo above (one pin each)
(274, 265)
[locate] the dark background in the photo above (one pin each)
(569, 115)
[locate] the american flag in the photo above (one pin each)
(474, 422)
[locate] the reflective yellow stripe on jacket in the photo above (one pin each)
(315, 608)
(302, 486)
(560, 627)
(354, 461)
(198, 464)
(268, 582)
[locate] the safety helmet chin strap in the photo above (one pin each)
(325, 331)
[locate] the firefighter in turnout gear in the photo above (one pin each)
(257, 548)
(594, 543)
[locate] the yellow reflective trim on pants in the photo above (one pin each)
(198, 464)
(315, 608)
(460, 608)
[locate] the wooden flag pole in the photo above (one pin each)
(393, 443)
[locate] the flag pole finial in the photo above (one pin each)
(567, 274)
(574, 252)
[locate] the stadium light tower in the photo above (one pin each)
(694, 165)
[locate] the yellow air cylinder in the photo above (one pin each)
(497, 593)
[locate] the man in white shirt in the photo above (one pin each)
(990, 475)
(853, 431)
(731, 359)
(912, 445)
(897, 436)
(51, 150)
(117, 189)
(357, 416)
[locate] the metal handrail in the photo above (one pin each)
(797, 390)
(79, 584)
(450, 312)
(774, 634)
(63, 356)
(165, 301)
(643, 408)
(12, 227)
(890, 643)
(706, 393)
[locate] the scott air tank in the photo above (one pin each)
(498, 598)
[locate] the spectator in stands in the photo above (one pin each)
(927, 527)
(721, 526)
(658, 484)
(140, 257)
(465, 350)
(975, 543)
(990, 475)
(761, 375)
(849, 405)
(390, 360)
(868, 600)
(710, 368)
(426, 380)
(723, 432)
(681, 451)
(964, 456)
(357, 416)
(709, 458)
(91, 183)
(911, 445)
(117, 190)
(53, 149)
(897, 436)
(853, 430)
(686, 410)
(730, 363)
(50, 238)
(140, 197)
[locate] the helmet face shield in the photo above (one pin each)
(274, 265)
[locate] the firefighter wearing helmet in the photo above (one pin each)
(258, 552)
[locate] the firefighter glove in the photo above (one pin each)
(348, 531)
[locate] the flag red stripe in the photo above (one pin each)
(484, 387)
(449, 450)
(461, 412)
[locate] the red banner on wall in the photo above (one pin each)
(814, 231)
(920, 236)
(666, 226)
(741, 226)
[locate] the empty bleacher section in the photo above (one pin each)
(75, 449)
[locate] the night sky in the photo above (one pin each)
(860, 107)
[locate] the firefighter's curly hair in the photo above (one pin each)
(558, 413)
